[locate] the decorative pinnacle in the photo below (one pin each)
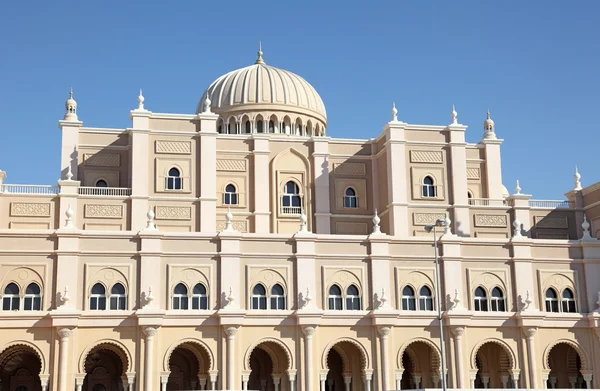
(394, 112)
(577, 178)
(517, 188)
(454, 115)
(260, 60)
(71, 93)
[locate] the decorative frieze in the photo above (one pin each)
(173, 213)
(551, 222)
(491, 221)
(30, 209)
(427, 218)
(348, 168)
(174, 147)
(102, 159)
(103, 211)
(350, 228)
(238, 225)
(426, 157)
(231, 164)
(473, 173)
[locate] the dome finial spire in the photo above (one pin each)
(260, 53)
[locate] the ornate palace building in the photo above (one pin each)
(242, 248)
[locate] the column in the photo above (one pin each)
(397, 184)
(323, 378)
(485, 380)
(573, 381)
(472, 377)
(384, 332)
(69, 149)
(504, 381)
(149, 332)
(276, 381)
(330, 385)
(79, 378)
(245, 378)
(208, 178)
(458, 166)
(130, 380)
(260, 184)
(139, 140)
(308, 331)
(321, 177)
(202, 382)
(545, 376)
(347, 381)
(213, 381)
(435, 379)
(493, 169)
(163, 382)
(367, 377)
(43, 380)
(399, 379)
(230, 332)
(587, 376)
(292, 377)
(458, 334)
(417, 380)
(63, 357)
(530, 332)
(514, 374)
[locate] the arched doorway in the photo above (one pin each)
(421, 364)
(565, 367)
(20, 368)
(346, 364)
(189, 366)
(494, 365)
(105, 367)
(268, 365)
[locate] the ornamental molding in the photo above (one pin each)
(231, 164)
(426, 156)
(103, 211)
(30, 209)
(491, 221)
(427, 218)
(551, 222)
(552, 235)
(173, 213)
(102, 159)
(347, 168)
(238, 225)
(174, 147)
(473, 173)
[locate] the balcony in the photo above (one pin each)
(291, 210)
(105, 191)
(487, 202)
(29, 189)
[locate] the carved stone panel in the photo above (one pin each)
(174, 147)
(473, 173)
(30, 209)
(427, 218)
(238, 225)
(350, 228)
(173, 212)
(231, 165)
(426, 157)
(551, 222)
(103, 211)
(348, 168)
(491, 221)
(102, 159)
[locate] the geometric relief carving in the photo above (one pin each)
(104, 211)
(349, 168)
(231, 165)
(174, 147)
(427, 218)
(551, 222)
(426, 157)
(29, 209)
(473, 173)
(238, 225)
(491, 221)
(102, 159)
(173, 213)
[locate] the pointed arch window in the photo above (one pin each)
(230, 197)
(248, 127)
(425, 299)
(480, 300)
(101, 183)
(271, 126)
(180, 297)
(352, 298)
(409, 302)
(260, 126)
(291, 201)
(429, 187)
(98, 298)
(174, 180)
(118, 300)
(551, 300)
(10, 299)
(334, 300)
(33, 298)
(498, 302)
(199, 297)
(277, 297)
(568, 301)
(259, 297)
(350, 199)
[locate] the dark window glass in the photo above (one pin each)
(429, 188)
(408, 299)
(425, 299)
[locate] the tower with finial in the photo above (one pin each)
(260, 60)
(454, 116)
(71, 108)
(488, 127)
(577, 178)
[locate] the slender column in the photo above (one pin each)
(230, 331)
(504, 381)
(530, 332)
(63, 356)
(384, 332)
(245, 379)
(292, 377)
(545, 377)
(323, 380)
(367, 378)
(213, 382)
(130, 380)
(417, 380)
(43, 381)
(78, 384)
(572, 381)
(308, 367)
(485, 380)
(399, 379)
(329, 385)
(202, 381)
(458, 334)
(149, 332)
(276, 381)
(347, 381)
(515, 378)
(435, 379)
(163, 383)
(472, 377)
(588, 380)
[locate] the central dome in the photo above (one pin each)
(261, 92)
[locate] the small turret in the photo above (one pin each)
(488, 127)
(71, 108)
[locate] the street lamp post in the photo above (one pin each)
(439, 223)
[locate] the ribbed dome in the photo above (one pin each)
(261, 87)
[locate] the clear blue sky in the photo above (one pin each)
(535, 64)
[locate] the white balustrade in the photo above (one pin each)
(29, 189)
(487, 202)
(550, 204)
(105, 191)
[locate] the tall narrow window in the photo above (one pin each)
(33, 299)
(248, 127)
(230, 197)
(101, 183)
(429, 188)
(118, 300)
(277, 297)
(350, 200)
(551, 300)
(259, 126)
(271, 127)
(480, 300)
(568, 301)
(498, 303)
(425, 299)
(199, 298)
(174, 180)
(180, 297)
(334, 300)
(352, 298)
(291, 199)
(259, 297)
(98, 298)
(10, 299)
(409, 302)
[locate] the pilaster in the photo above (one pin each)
(521, 212)
(68, 195)
(260, 183)
(140, 162)
(524, 282)
(208, 176)
(230, 270)
(70, 143)
(380, 270)
(458, 178)
(397, 178)
(150, 269)
(493, 168)
(306, 270)
(321, 179)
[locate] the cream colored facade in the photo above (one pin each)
(242, 248)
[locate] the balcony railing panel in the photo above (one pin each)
(551, 204)
(487, 202)
(29, 189)
(105, 191)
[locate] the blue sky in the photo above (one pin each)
(533, 63)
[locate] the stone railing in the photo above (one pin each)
(29, 189)
(487, 202)
(551, 204)
(105, 191)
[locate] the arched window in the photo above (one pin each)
(118, 301)
(480, 300)
(33, 299)
(174, 180)
(248, 127)
(291, 199)
(101, 183)
(98, 298)
(230, 196)
(409, 302)
(180, 297)
(10, 299)
(568, 301)
(199, 298)
(277, 297)
(429, 188)
(271, 126)
(220, 129)
(352, 298)
(350, 199)
(334, 300)
(259, 297)
(259, 126)
(551, 300)
(425, 299)
(498, 303)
